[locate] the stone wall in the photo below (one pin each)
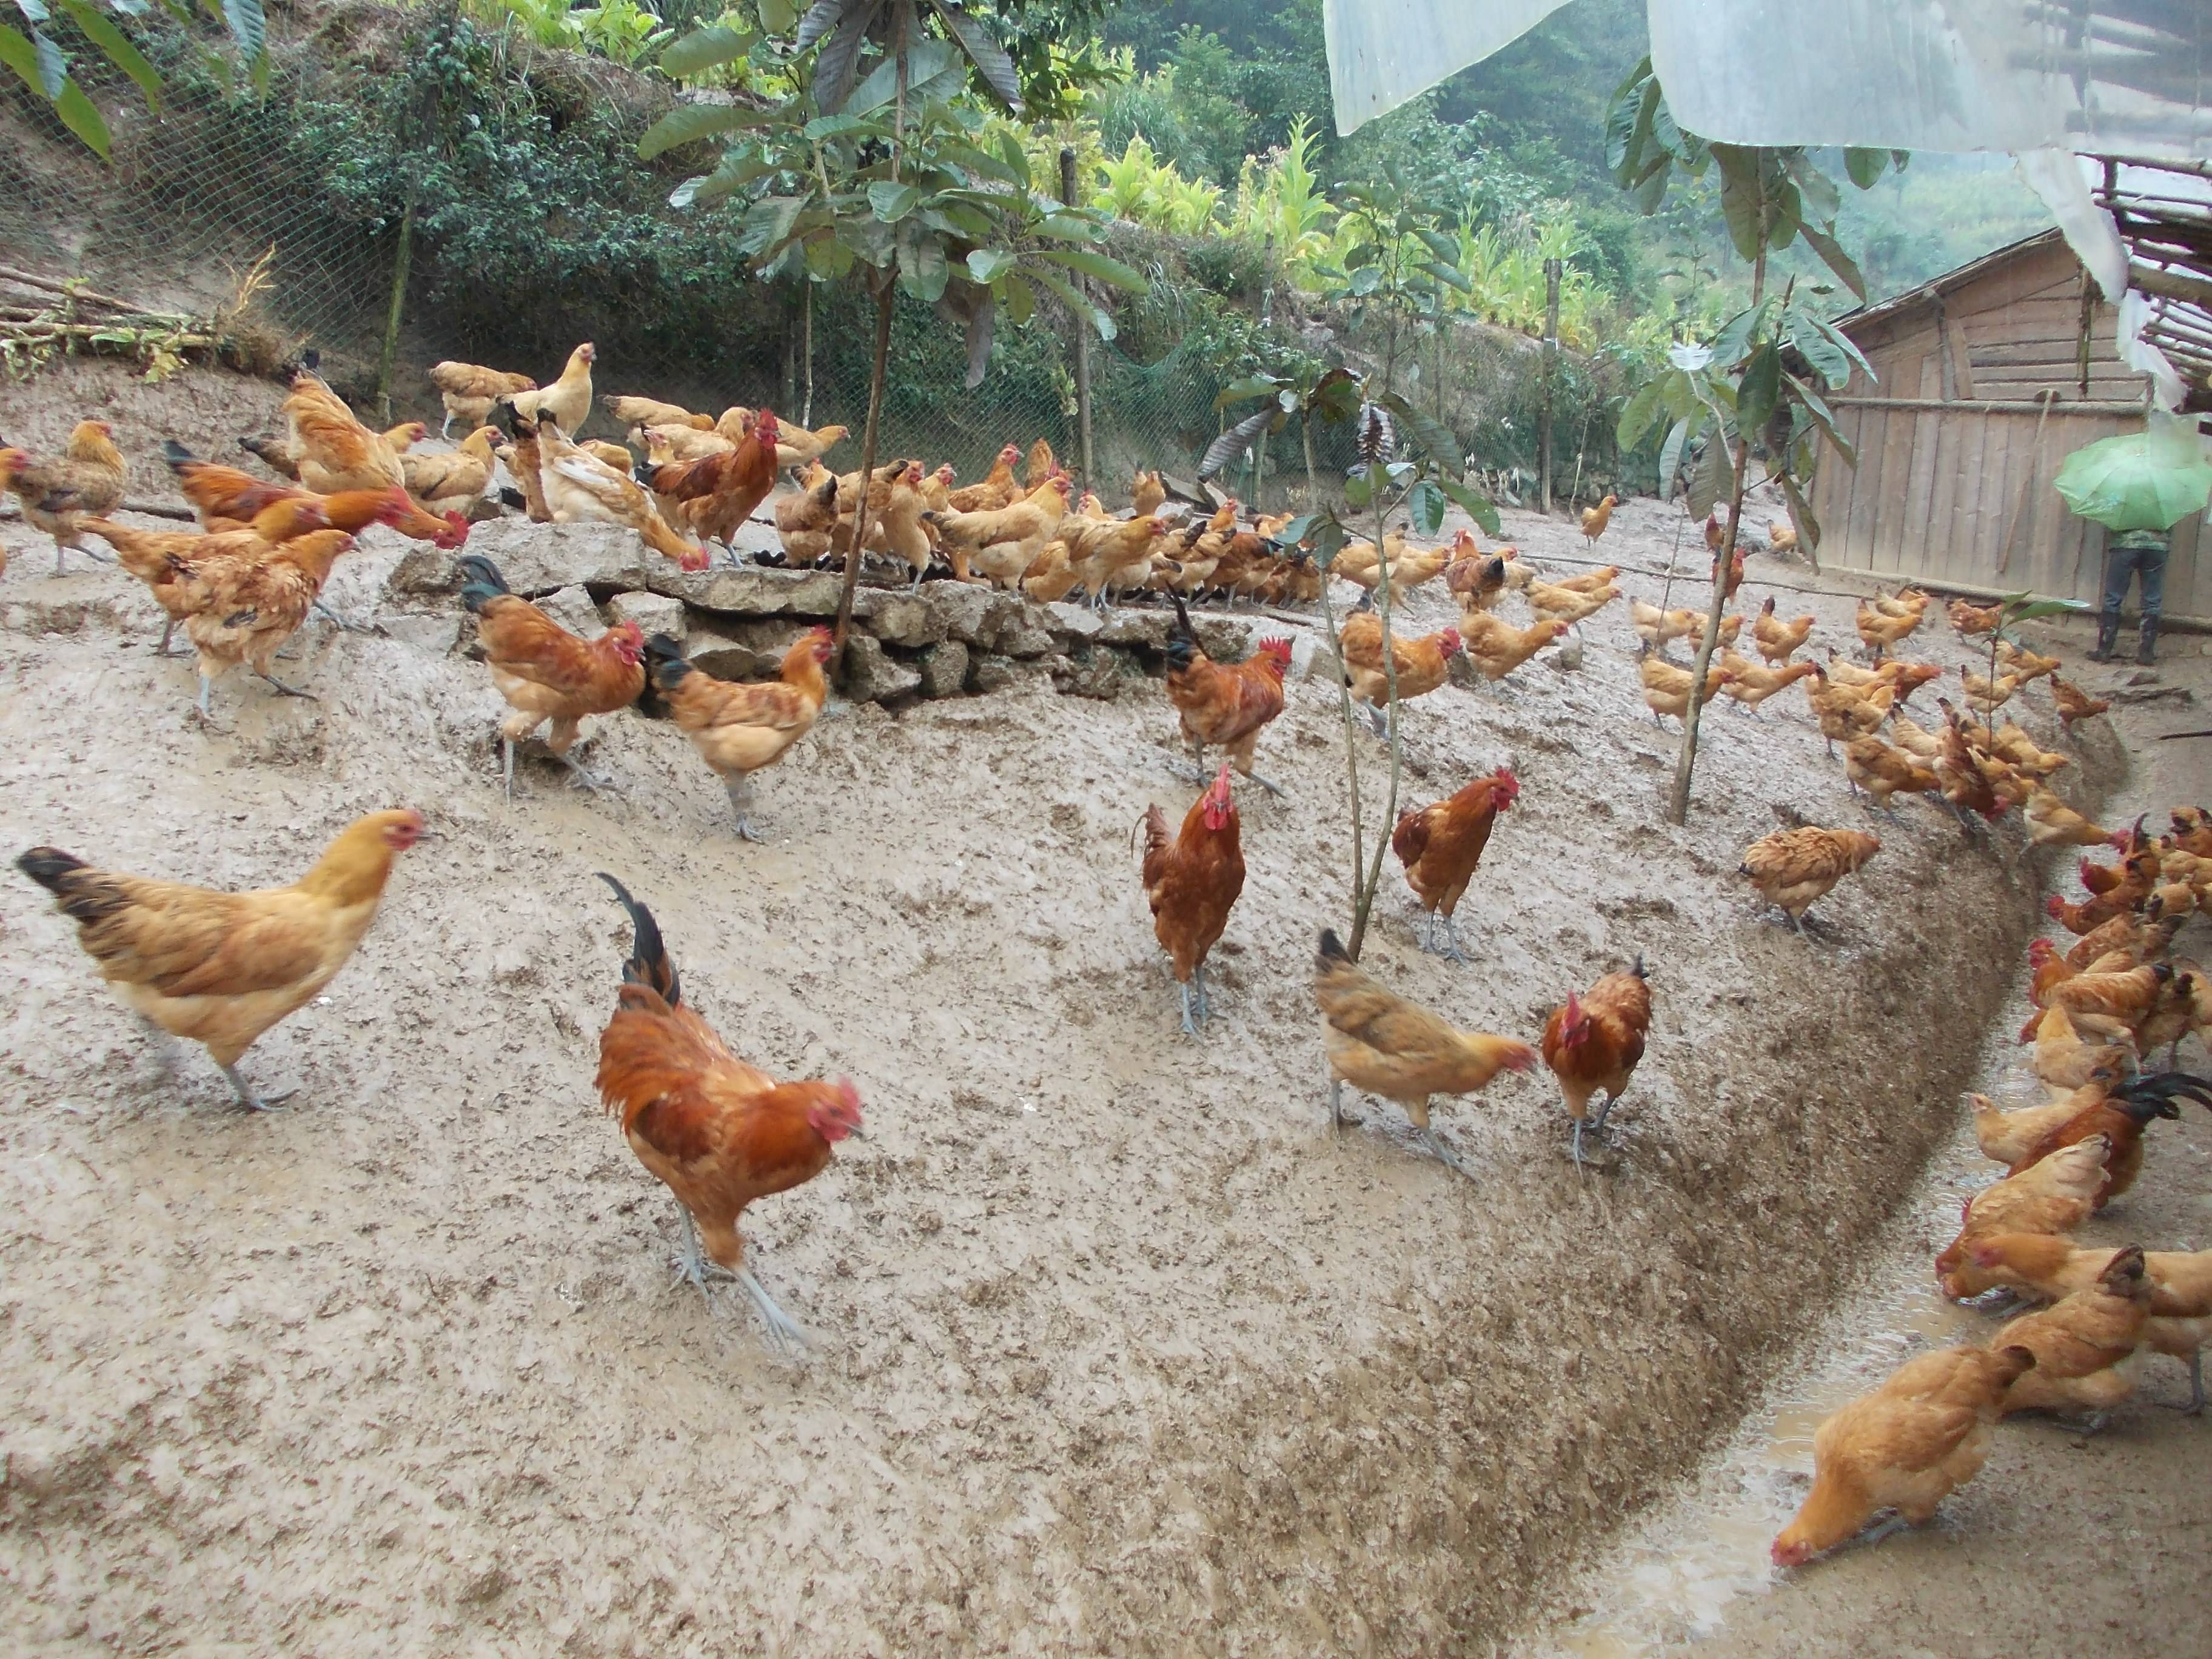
(947, 640)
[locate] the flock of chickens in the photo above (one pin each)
(222, 969)
(2104, 1008)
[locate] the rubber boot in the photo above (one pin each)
(2108, 634)
(2146, 645)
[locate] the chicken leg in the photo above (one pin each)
(581, 777)
(284, 691)
(246, 1092)
(1444, 1154)
(1190, 1029)
(741, 794)
(1205, 1007)
(782, 1327)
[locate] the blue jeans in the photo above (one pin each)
(2148, 563)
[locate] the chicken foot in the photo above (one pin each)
(1196, 773)
(246, 1095)
(740, 790)
(341, 624)
(1451, 950)
(284, 691)
(97, 557)
(1595, 1125)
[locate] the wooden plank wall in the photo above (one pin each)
(1965, 496)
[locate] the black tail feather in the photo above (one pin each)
(668, 660)
(63, 875)
(648, 964)
(514, 498)
(47, 865)
(1331, 949)
(483, 582)
(176, 455)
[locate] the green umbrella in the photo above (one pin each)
(2147, 480)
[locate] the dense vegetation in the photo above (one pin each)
(506, 131)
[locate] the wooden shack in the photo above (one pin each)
(1986, 379)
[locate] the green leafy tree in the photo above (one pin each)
(1752, 385)
(42, 61)
(878, 171)
(1400, 259)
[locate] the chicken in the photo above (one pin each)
(717, 1133)
(2004, 1136)
(714, 495)
(1781, 537)
(2085, 1346)
(567, 401)
(1558, 602)
(2064, 1059)
(241, 605)
(2054, 1196)
(795, 446)
(2073, 703)
(1475, 578)
(2051, 823)
(1750, 685)
(453, 482)
(227, 499)
(1734, 574)
(1845, 712)
(1594, 1042)
(1147, 495)
(1775, 639)
(1882, 632)
(1040, 464)
(468, 392)
(807, 522)
(1410, 567)
(1987, 695)
(1589, 581)
(1192, 882)
(546, 673)
(580, 488)
(58, 497)
(1963, 772)
(1389, 1046)
(1112, 554)
(1441, 844)
(1908, 735)
(2114, 1003)
(1596, 518)
(1001, 545)
(1656, 626)
(639, 413)
(2048, 1267)
(1970, 619)
(614, 456)
(739, 730)
(895, 527)
(220, 968)
(1421, 664)
(1907, 1446)
(2011, 743)
(1226, 705)
(1495, 647)
(2120, 1115)
(2093, 912)
(526, 460)
(1795, 869)
(998, 488)
(664, 444)
(336, 451)
(2019, 661)
(1667, 688)
(1881, 771)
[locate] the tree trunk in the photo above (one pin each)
(1678, 805)
(884, 298)
(402, 257)
(806, 354)
(1365, 887)
(1082, 340)
(1552, 272)
(1313, 479)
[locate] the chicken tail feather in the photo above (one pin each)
(483, 584)
(1331, 949)
(668, 664)
(176, 455)
(59, 873)
(648, 964)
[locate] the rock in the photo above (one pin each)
(543, 558)
(873, 675)
(944, 669)
(988, 672)
(653, 613)
(432, 633)
(573, 608)
(1150, 628)
(425, 570)
(904, 619)
(1096, 672)
(1461, 672)
(751, 590)
(1224, 639)
(1077, 622)
(1024, 642)
(966, 609)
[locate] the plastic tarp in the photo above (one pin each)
(2041, 79)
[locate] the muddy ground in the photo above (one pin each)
(2065, 1543)
(1117, 1348)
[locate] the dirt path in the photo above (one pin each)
(2064, 1545)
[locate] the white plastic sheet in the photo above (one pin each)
(2131, 76)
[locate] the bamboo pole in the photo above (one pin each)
(402, 258)
(1552, 274)
(1082, 338)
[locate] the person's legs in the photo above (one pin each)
(2150, 568)
(2119, 567)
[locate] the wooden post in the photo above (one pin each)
(806, 355)
(1082, 338)
(1551, 273)
(402, 258)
